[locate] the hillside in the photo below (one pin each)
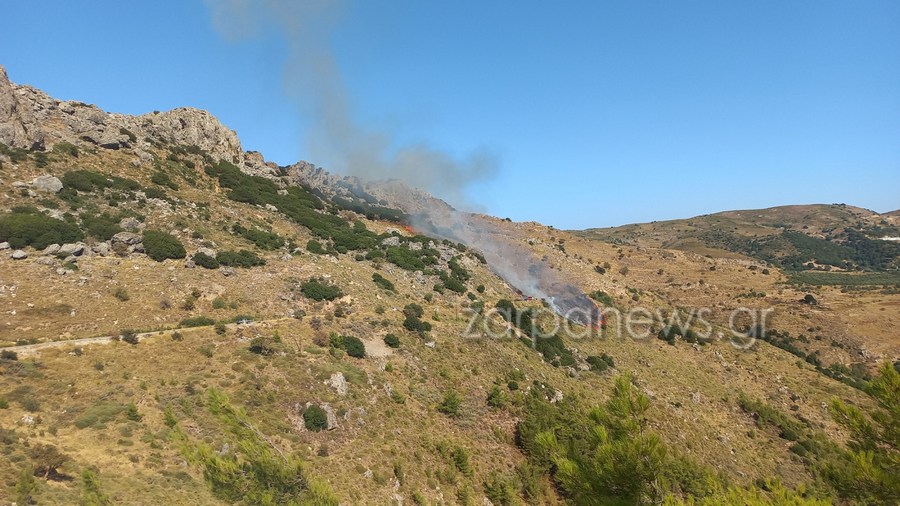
(809, 237)
(184, 322)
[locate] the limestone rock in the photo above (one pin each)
(101, 248)
(338, 382)
(131, 224)
(47, 184)
(45, 261)
(18, 255)
(76, 249)
(330, 417)
(4, 246)
(51, 250)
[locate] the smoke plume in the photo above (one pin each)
(338, 139)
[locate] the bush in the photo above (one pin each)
(102, 227)
(197, 321)
(314, 246)
(383, 282)
(205, 261)
(451, 405)
(121, 294)
(354, 347)
(161, 246)
(8, 355)
(131, 413)
(262, 239)
(129, 336)
(163, 179)
(319, 290)
(28, 227)
(242, 258)
(66, 148)
(392, 341)
(413, 310)
(88, 181)
(600, 363)
(315, 418)
(496, 397)
(98, 414)
(263, 345)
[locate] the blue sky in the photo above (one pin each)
(599, 113)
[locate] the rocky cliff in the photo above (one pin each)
(31, 119)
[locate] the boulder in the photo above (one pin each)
(391, 241)
(131, 224)
(330, 417)
(207, 251)
(76, 249)
(18, 255)
(101, 248)
(45, 261)
(338, 382)
(127, 238)
(189, 264)
(47, 184)
(228, 271)
(51, 250)
(4, 246)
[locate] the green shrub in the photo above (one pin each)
(392, 341)
(28, 227)
(603, 298)
(315, 418)
(496, 397)
(600, 363)
(66, 148)
(318, 289)
(131, 413)
(163, 179)
(255, 471)
(8, 355)
(263, 345)
(129, 336)
(262, 239)
(383, 282)
(451, 405)
(88, 181)
(98, 414)
(122, 294)
(354, 347)
(205, 261)
(314, 246)
(102, 227)
(197, 321)
(242, 258)
(413, 310)
(161, 246)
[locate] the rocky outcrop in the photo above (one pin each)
(31, 119)
(47, 184)
(17, 125)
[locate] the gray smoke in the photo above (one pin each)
(337, 139)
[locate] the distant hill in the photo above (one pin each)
(836, 236)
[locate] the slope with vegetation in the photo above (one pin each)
(311, 351)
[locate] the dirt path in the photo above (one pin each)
(28, 349)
